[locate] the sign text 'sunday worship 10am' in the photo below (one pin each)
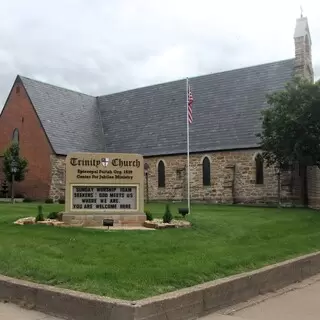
(102, 183)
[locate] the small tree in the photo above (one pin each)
(167, 217)
(40, 216)
(13, 154)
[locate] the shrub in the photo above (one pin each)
(61, 201)
(39, 216)
(27, 200)
(148, 215)
(49, 201)
(183, 211)
(4, 189)
(59, 216)
(167, 217)
(53, 215)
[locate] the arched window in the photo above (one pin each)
(161, 175)
(15, 136)
(259, 169)
(206, 174)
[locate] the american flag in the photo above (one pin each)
(190, 101)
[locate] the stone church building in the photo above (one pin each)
(225, 162)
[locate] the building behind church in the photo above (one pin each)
(225, 161)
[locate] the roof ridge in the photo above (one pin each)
(56, 86)
(196, 77)
(156, 84)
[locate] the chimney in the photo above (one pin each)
(302, 42)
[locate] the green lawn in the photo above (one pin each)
(224, 240)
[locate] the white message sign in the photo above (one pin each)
(104, 198)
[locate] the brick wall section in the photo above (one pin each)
(226, 167)
(19, 113)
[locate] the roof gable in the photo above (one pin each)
(70, 119)
(226, 112)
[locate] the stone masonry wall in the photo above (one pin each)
(58, 177)
(303, 60)
(314, 187)
(232, 179)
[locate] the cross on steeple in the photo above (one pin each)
(301, 10)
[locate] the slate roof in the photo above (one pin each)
(70, 119)
(226, 112)
(152, 120)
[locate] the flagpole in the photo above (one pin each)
(188, 141)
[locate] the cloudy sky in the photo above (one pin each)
(104, 46)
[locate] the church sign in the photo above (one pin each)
(104, 183)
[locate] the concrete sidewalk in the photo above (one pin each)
(10, 311)
(296, 302)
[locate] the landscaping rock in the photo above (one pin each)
(158, 224)
(46, 222)
(32, 220)
(51, 222)
(28, 220)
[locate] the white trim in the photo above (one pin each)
(164, 162)
(206, 156)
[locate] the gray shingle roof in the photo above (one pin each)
(70, 119)
(152, 120)
(226, 112)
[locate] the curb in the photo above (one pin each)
(187, 304)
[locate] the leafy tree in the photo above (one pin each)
(12, 154)
(291, 127)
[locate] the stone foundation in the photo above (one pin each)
(96, 220)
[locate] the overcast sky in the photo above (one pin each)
(105, 46)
